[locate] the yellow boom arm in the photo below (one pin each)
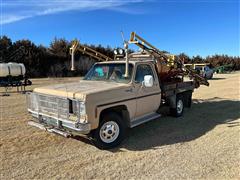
(76, 46)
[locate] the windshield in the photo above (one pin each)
(109, 72)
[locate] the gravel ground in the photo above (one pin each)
(203, 144)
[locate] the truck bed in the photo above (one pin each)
(170, 89)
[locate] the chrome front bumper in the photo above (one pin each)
(65, 126)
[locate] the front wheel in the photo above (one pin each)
(179, 107)
(110, 133)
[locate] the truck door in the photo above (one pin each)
(148, 98)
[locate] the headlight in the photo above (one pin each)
(82, 108)
(120, 51)
(78, 108)
(115, 51)
(78, 112)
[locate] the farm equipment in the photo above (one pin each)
(13, 74)
(169, 67)
(222, 69)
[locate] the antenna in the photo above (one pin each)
(123, 37)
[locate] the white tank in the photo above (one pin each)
(12, 69)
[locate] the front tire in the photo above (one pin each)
(110, 133)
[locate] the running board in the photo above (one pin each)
(144, 119)
(45, 128)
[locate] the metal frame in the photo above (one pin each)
(93, 53)
(143, 44)
(76, 46)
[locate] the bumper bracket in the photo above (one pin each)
(49, 129)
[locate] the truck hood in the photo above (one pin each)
(79, 90)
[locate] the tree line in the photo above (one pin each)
(54, 61)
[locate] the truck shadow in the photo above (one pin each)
(216, 79)
(201, 118)
(196, 122)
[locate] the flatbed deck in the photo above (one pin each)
(170, 89)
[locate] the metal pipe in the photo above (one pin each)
(72, 59)
(38, 125)
(127, 60)
(62, 133)
(72, 52)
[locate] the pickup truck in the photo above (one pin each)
(205, 71)
(105, 103)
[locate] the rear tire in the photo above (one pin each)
(179, 108)
(188, 99)
(110, 133)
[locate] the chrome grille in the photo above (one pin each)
(52, 106)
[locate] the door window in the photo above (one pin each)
(143, 70)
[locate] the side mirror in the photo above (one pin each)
(148, 81)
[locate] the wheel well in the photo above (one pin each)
(121, 110)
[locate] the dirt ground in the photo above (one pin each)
(203, 144)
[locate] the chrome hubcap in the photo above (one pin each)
(109, 132)
(179, 106)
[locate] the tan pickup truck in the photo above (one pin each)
(115, 94)
(105, 103)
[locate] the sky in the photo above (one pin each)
(195, 27)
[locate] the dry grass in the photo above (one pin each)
(202, 144)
